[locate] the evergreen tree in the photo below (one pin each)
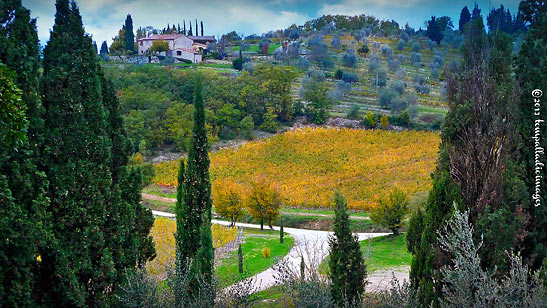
(195, 240)
(281, 231)
(190, 31)
(180, 211)
(302, 268)
(201, 28)
(197, 29)
(104, 50)
(465, 17)
(476, 12)
(184, 27)
(473, 168)
(95, 47)
(531, 72)
(240, 259)
(99, 226)
(24, 226)
(129, 37)
(434, 31)
(347, 267)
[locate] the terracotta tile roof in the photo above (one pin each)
(162, 37)
(202, 38)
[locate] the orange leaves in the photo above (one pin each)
(264, 200)
(228, 199)
(308, 164)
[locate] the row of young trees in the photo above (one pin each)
(486, 161)
(71, 221)
(263, 200)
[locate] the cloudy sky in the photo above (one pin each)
(103, 18)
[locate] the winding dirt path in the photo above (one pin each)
(146, 196)
(379, 280)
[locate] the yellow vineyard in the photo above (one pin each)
(163, 232)
(309, 164)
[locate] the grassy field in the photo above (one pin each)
(309, 164)
(254, 48)
(386, 252)
(253, 262)
(382, 253)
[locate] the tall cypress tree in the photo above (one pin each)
(129, 36)
(128, 222)
(201, 28)
(100, 228)
(190, 31)
(23, 220)
(77, 162)
(194, 238)
(347, 267)
(465, 17)
(181, 238)
(531, 72)
(184, 27)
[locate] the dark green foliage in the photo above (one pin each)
(476, 12)
(281, 231)
(23, 221)
(338, 74)
(194, 239)
(316, 94)
(104, 50)
(391, 211)
(302, 269)
(347, 267)
(99, 226)
(240, 259)
(247, 125)
(76, 261)
(427, 259)
(129, 36)
(531, 72)
(237, 64)
(434, 31)
(465, 17)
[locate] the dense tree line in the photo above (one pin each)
(156, 102)
(484, 165)
(72, 222)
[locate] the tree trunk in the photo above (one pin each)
(270, 224)
(262, 224)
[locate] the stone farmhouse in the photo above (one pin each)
(181, 47)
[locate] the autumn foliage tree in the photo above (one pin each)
(264, 201)
(228, 200)
(391, 211)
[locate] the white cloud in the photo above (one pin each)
(103, 18)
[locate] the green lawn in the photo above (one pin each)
(254, 48)
(253, 261)
(386, 252)
(160, 191)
